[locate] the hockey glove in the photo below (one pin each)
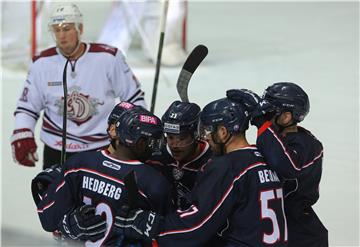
(83, 224)
(263, 112)
(42, 181)
(245, 97)
(24, 147)
(138, 224)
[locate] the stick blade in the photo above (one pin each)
(192, 62)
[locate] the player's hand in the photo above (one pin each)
(42, 181)
(138, 224)
(24, 147)
(83, 224)
(263, 112)
(245, 97)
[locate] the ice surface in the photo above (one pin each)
(251, 45)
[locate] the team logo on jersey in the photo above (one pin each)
(80, 107)
(177, 173)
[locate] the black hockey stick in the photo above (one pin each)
(63, 143)
(158, 60)
(192, 62)
(132, 188)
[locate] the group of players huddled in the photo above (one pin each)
(197, 180)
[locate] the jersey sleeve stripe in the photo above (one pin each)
(136, 95)
(41, 210)
(60, 186)
(26, 111)
(218, 205)
(315, 159)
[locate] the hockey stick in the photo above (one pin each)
(192, 62)
(158, 60)
(63, 143)
(132, 188)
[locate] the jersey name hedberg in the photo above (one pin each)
(101, 187)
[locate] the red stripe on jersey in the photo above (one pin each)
(97, 47)
(46, 53)
(263, 128)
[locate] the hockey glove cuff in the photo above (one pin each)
(82, 224)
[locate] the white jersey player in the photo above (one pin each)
(97, 75)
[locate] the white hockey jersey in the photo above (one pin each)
(94, 82)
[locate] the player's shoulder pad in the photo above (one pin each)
(98, 47)
(45, 53)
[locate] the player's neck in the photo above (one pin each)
(79, 50)
(236, 143)
(123, 153)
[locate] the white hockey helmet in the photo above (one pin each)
(66, 13)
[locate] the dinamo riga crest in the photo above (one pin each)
(80, 107)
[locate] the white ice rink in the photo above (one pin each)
(251, 45)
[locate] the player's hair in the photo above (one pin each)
(288, 96)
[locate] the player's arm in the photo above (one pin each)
(125, 83)
(212, 200)
(60, 210)
(29, 105)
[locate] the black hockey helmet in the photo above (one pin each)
(287, 96)
(137, 123)
(181, 117)
(225, 112)
(118, 110)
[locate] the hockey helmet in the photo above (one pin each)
(118, 110)
(137, 123)
(66, 13)
(288, 96)
(181, 117)
(224, 112)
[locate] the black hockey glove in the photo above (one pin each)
(138, 224)
(82, 224)
(263, 112)
(42, 181)
(245, 97)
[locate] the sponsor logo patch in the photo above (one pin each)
(54, 83)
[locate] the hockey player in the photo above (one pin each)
(97, 75)
(94, 182)
(236, 195)
(185, 153)
(293, 152)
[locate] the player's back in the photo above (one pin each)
(257, 217)
(98, 179)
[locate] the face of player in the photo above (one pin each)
(181, 146)
(67, 37)
(215, 138)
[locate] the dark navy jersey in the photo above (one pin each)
(237, 197)
(297, 157)
(97, 179)
(181, 176)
